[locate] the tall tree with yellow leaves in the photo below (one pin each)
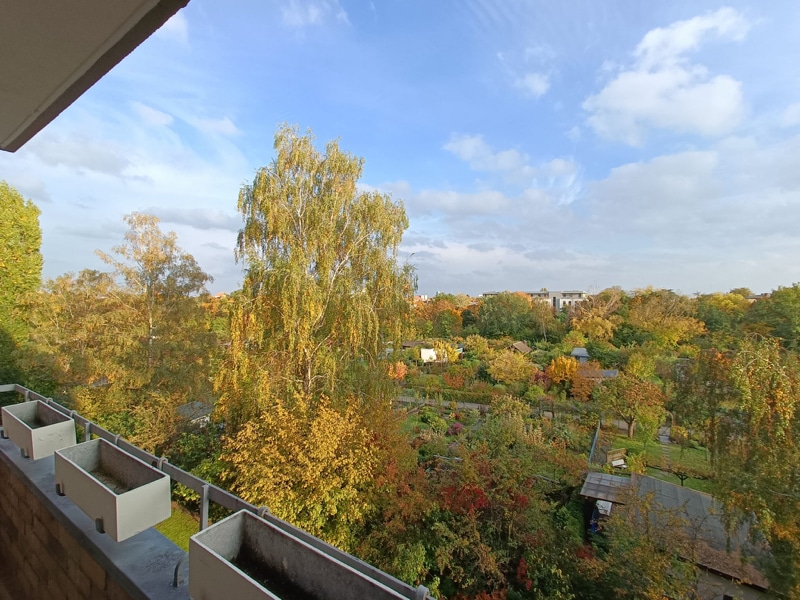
(323, 289)
(305, 386)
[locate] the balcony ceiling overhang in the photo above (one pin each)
(52, 51)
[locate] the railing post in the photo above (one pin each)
(204, 507)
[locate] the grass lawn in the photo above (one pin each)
(701, 485)
(693, 459)
(179, 527)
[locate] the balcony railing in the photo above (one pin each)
(209, 493)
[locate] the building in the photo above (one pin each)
(724, 557)
(557, 300)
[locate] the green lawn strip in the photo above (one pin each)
(693, 459)
(701, 485)
(179, 527)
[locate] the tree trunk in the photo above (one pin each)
(631, 426)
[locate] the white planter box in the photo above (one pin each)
(248, 558)
(38, 429)
(120, 492)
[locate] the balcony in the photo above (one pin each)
(49, 548)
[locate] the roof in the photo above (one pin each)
(602, 486)
(52, 52)
(580, 353)
(521, 347)
(194, 410)
(699, 515)
(714, 546)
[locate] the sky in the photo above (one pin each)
(534, 144)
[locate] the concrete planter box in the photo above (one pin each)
(120, 492)
(38, 429)
(248, 558)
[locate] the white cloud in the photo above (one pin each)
(534, 84)
(473, 149)
(663, 90)
(80, 152)
(151, 116)
(574, 133)
(299, 14)
(791, 116)
(197, 218)
(465, 204)
(667, 46)
(222, 126)
(176, 28)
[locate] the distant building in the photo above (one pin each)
(757, 297)
(557, 300)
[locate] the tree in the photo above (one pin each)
(305, 386)
(596, 317)
(631, 399)
(780, 313)
(129, 347)
(511, 367)
(310, 465)
(667, 317)
(705, 391)
(562, 369)
(323, 289)
(587, 377)
(722, 312)
(438, 317)
(757, 465)
(20, 272)
(506, 314)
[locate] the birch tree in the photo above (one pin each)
(323, 289)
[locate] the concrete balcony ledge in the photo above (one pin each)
(55, 551)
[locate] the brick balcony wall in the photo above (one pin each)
(47, 560)
(50, 549)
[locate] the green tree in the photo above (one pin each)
(20, 272)
(131, 346)
(631, 399)
(506, 314)
(722, 313)
(779, 315)
(323, 289)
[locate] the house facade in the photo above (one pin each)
(557, 300)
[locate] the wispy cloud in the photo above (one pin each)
(151, 116)
(203, 219)
(791, 116)
(299, 14)
(223, 126)
(473, 149)
(534, 84)
(80, 152)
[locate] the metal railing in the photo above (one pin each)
(211, 493)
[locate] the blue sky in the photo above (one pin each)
(567, 145)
